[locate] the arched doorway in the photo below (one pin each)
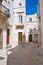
(30, 37)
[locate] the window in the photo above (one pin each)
(20, 4)
(20, 18)
(12, 0)
(6, 1)
(30, 30)
(30, 19)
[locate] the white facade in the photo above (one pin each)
(20, 10)
(8, 5)
(31, 24)
(17, 9)
(14, 31)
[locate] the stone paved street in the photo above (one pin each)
(28, 54)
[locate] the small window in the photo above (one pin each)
(12, 0)
(20, 4)
(30, 19)
(20, 18)
(30, 30)
(6, 1)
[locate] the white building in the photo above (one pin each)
(8, 4)
(4, 26)
(31, 23)
(20, 22)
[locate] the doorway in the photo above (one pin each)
(30, 37)
(8, 34)
(20, 37)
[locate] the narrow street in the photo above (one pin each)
(28, 54)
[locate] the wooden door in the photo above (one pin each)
(8, 34)
(30, 37)
(20, 36)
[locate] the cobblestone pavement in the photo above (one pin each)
(28, 54)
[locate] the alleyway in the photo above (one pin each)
(25, 55)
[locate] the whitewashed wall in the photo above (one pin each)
(31, 24)
(14, 31)
(27, 24)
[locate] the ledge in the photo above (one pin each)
(20, 12)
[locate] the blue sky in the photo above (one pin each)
(31, 7)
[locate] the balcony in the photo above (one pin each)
(3, 17)
(19, 26)
(4, 12)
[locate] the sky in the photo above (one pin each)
(31, 7)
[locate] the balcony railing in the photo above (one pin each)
(19, 26)
(4, 10)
